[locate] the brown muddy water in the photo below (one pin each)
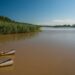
(50, 52)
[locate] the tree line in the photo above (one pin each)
(58, 26)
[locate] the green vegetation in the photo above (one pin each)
(58, 26)
(8, 26)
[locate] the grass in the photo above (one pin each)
(8, 26)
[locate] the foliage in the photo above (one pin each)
(8, 26)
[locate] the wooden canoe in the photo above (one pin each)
(9, 52)
(6, 62)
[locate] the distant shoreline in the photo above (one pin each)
(61, 26)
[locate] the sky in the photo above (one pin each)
(44, 12)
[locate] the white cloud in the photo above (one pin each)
(64, 21)
(58, 22)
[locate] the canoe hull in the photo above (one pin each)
(8, 63)
(8, 53)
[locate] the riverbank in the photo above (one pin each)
(8, 26)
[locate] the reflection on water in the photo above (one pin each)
(8, 69)
(16, 37)
(60, 36)
(6, 41)
(50, 52)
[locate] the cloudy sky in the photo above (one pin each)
(45, 12)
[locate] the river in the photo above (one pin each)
(50, 52)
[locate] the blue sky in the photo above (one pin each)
(47, 12)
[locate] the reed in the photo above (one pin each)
(8, 26)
